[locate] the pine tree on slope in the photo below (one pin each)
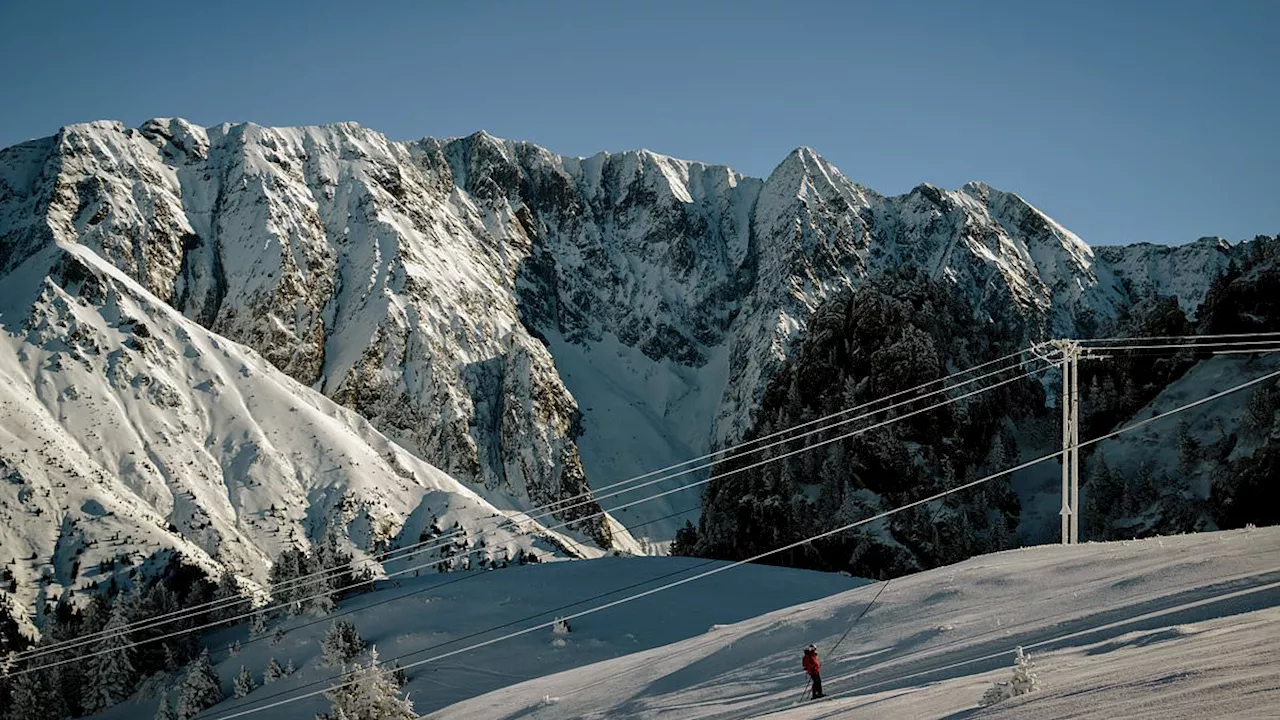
(273, 672)
(368, 693)
(243, 683)
(165, 711)
(341, 643)
(200, 689)
(259, 627)
(114, 675)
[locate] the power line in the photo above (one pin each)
(1223, 336)
(783, 548)
(317, 578)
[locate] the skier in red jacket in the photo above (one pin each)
(813, 667)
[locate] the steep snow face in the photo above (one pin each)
(1183, 271)
(127, 430)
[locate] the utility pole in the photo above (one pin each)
(1070, 402)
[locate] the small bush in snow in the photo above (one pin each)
(341, 643)
(561, 627)
(1024, 680)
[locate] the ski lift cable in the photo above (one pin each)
(775, 551)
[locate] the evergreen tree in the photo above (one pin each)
(1025, 678)
(171, 662)
(368, 693)
(341, 643)
(288, 667)
(114, 675)
(1188, 447)
(200, 689)
(273, 672)
(282, 575)
(243, 683)
(334, 561)
(165, 710)
(259, 627)
(686, 540)
(277, 636)
(227, 589)
(28, 695)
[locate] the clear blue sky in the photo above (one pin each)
(1126, 120)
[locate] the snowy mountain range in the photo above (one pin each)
(224, 340)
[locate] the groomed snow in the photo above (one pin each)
(1180, 626)
(443, 611)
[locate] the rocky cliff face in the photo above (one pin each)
(128, 431)
(529, 323)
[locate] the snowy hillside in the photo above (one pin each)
(1180, 626)
(127, 429)
(431, 615)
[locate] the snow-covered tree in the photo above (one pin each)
(368, 692)
(1024, 680)
(244, 683)
(341, 643)
(276, 636)
(170, 658)
(288, 667)
(228, 589)
(165, 711)
(259, 627)
(312, 594)
(114, 674)
(561, 627)
(234, 648)
(27, 696)
(273, 672)
(200, 689)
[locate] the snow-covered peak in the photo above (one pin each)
(1184, 271)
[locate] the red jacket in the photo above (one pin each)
(811, 664)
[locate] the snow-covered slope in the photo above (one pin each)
(127, 430)
(1179, 270)
(431, 615)
(1179, 626)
